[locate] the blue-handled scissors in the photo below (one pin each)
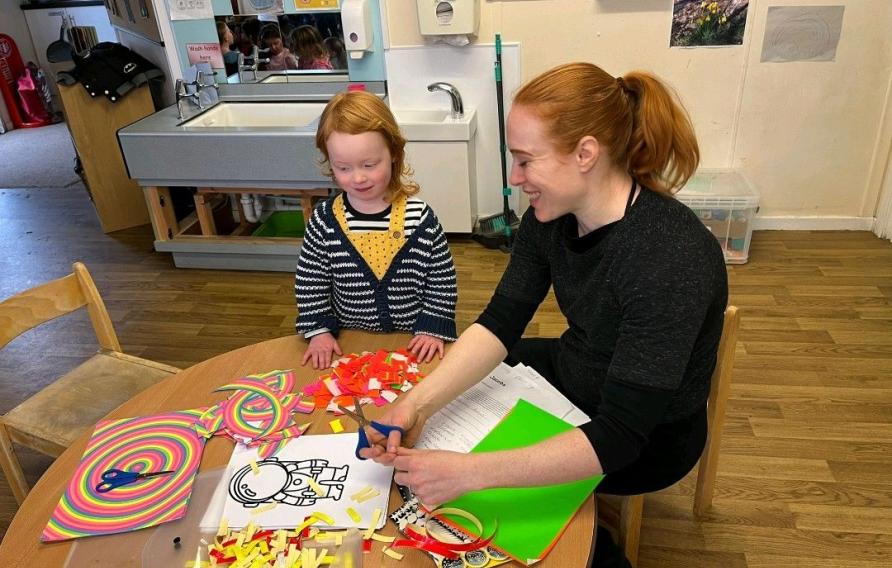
(363, 422)
(113, 478)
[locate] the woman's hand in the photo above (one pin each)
(403, 414)
(436, 476)
(320, 350)
(423, 347)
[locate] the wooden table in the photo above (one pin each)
(193, 388)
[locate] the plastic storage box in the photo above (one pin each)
(727, 203)
(282, 224)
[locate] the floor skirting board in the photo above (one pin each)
(816, 223)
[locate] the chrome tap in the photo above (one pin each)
(180, 92)
(255, 61)
(200, 86)
(458, 109)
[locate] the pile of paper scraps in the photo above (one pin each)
(254, 547)
(258, 413)
(377, 377)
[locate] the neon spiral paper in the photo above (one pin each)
(150, 443)
(234, 413)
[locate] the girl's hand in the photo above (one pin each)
(320, 350)
(423, 347)
(384, 450)
(435, 476)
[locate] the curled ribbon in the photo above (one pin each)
(430, 543)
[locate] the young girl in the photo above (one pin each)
(373, 257)
(307, 44)
(280, 58)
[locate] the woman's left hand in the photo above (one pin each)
(423, 347)
(435, 476)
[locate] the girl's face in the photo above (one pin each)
(362, 167)
(275, 45)
(548, 177)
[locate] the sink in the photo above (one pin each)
(253, 115)
(422, 125)
(306, 76)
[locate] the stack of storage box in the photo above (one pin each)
(726, 202)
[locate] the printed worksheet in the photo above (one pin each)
(461, 424)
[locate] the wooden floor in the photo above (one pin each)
(805, 476)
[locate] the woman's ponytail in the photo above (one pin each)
(662, 152)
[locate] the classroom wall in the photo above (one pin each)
(808, 134)
(13, 24)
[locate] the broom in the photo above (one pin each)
(496, 231)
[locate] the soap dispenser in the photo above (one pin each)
(356, 19)
(448, 17)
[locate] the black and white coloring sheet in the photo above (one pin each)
(311, 473)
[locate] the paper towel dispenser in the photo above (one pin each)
(356, 19)
(448, 17)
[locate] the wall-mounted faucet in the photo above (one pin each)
(458, 108)
(180, 92)
(255, 61)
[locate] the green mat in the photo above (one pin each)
(530, 519)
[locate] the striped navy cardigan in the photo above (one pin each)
(335, 288)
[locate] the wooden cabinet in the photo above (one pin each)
(94, 123)
(444, 170)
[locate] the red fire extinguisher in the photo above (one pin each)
(11, 68)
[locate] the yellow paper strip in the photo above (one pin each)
(265, 508)
(317, 489)
(254, 468)
(393, 554)
(224, 527)
(371, 530)
(383, 538)
(362, 492)
(322, 517)
(366, 497)
(354, 515)
(336, 426)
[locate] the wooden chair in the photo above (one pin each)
(626, 518)
(53, 418)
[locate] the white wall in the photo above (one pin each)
(470, 69)
(12, 23)
(807, 134)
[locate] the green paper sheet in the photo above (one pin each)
(530, 519)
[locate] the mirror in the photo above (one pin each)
(310, 43)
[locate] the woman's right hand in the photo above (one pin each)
(403, 414)
(320, 350)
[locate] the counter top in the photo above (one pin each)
(61, 4)
(162, 150)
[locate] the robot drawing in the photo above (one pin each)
(287, 482)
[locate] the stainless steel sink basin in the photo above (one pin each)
(254, 115)
(436, 124)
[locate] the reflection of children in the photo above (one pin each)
(337, 55)
(307, 44)
(373, 258)
(280, 57)
(230, 57)
(287, 482)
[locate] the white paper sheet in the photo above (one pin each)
(328, 459)
(461, 424)
(190, 9)
(802, 33)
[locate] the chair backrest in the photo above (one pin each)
(715, 410)
(38, 305)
